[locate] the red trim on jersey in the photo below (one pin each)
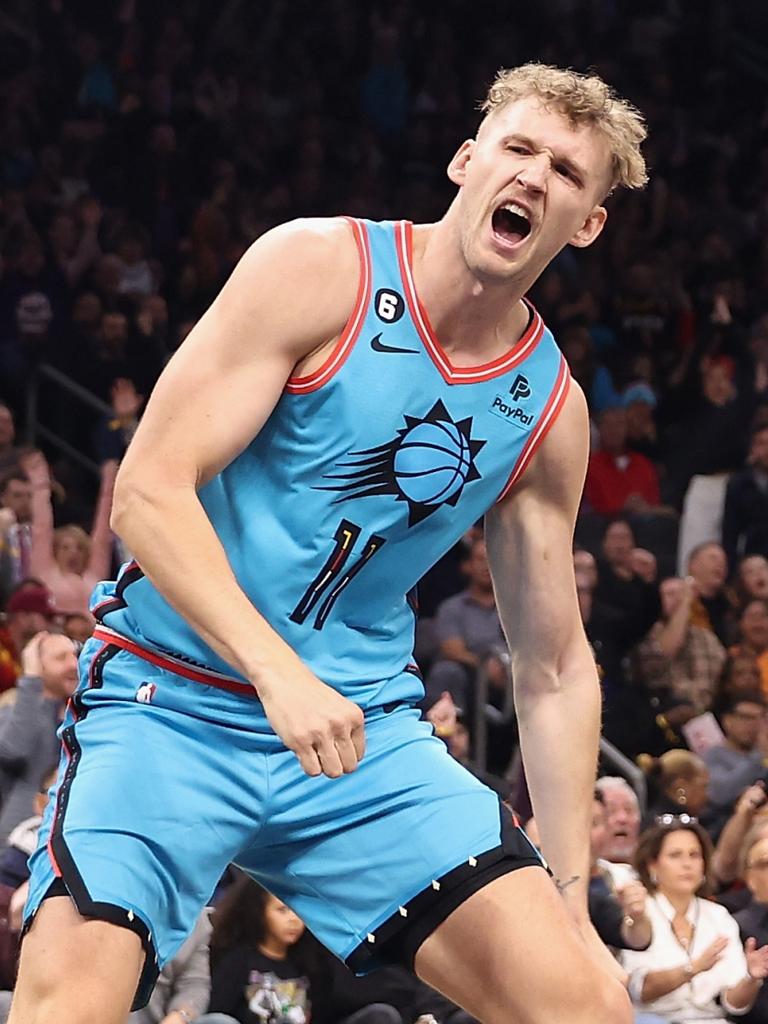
(175, 665)
(115, 599)
(343, 347)
(450, 373)
(548, 416)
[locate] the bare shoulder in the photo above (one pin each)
(301, 276)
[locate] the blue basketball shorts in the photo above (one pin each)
(162, 784)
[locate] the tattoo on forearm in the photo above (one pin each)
(562, 886)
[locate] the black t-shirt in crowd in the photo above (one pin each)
(256, 989)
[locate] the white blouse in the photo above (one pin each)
(694, 1000)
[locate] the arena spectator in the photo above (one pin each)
(681, 783)
(684, 659)
(619, 479)
(695, 968)
(753, 638)
(752, 578)
(745, 515)
(67, 560)
(753, 919)
(740, 760)
(622, 819)
(265, 967)
(9, 453)
(634, 604)
(708, 567)
(467, 629)
(21, 843)
(749, 812)
(705, 446)
(740, 674)
(617, 912)
(28, 741)
(15, 530)
(645, 565)
(183, 986)
(29, 611)
(639, 401)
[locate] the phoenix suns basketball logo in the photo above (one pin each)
(427, 465)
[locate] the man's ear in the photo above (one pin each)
(591, 228)
(458, 166)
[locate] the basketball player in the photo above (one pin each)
(356, 397)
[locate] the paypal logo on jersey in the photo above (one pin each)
(507, 407)
(511, 413)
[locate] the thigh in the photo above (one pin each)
(149, 807)
(512, 953)
(75, 969)
(373, 861)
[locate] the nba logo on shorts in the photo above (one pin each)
(145, 693)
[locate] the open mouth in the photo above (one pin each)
(511, 223)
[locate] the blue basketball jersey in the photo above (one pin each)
(368, 470)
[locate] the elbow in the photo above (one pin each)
(130, 500)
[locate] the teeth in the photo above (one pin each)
(515, 208)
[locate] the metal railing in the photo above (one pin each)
(34, 429)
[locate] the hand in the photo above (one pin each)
(325, 730)
(757, 960)
(16, 907)
(7, 520)
(91, 213)
(36, 468)
(126, 401)
(710, 956)
(496, 672)
(31, 664)
(632, 897)
(442, 715)
(751, 800)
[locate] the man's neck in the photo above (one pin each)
(475, 321)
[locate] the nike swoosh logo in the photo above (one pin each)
(378, 346)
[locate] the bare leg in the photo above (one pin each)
(512, 955)
(75, 971)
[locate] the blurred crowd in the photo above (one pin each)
(144, 146)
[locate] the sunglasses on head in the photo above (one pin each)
(676, 819)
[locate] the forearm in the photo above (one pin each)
(725, 861)
(101, 532)
(743, 995)
(661, 983)
(174, 542)
(455, 649)
(672, 634)
(41, 555)
(559, 724)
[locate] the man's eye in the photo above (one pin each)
(518, 149)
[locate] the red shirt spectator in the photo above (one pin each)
(29, 612)
(619, 479)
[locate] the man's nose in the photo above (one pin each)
(533, 176)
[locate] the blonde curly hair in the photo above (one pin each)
(584, 100)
